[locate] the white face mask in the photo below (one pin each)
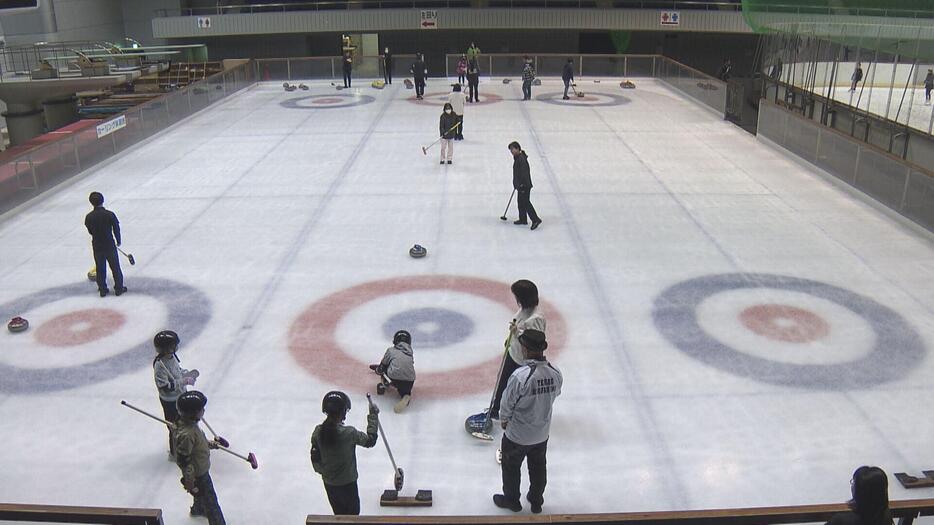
(447, 111)
(387, 50)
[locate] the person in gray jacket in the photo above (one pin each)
(525, 415)
(397, 369)
(333, 451)
(171, 379)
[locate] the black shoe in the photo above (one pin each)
(535, 224)
(450, 162)
(104, 292)
(442, 162)
(500, 501)
(120, 291)
(520, 222)
(536, 509)
(195, 511)
(566, 98)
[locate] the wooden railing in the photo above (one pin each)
(63, 514)
(905, 511)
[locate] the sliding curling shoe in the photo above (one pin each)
(418, 251)
(17, 324)
(92, 274)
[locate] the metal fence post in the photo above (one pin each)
(74, 145)
(580, 65)
(288, 68)
(625, 65)
(331, 60)
(901, 205)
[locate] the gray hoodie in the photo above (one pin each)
(399, 363)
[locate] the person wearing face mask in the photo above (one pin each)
(387, 66)
(448, 130)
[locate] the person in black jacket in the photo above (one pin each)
(104, 228)
(473, 81)
(856, 77)
(448, 129)
(348, 67)
(522, 182)
(419, 70)
(567, 75)
(870, 503)
(387, 66)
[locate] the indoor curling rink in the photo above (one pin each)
(734, 328)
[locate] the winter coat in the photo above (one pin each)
(521, 175)
(169, 376)
(929, 80)
(473, 73)
(337, 462)
(473, 53)
(857, 75)
(447, 123)
(462, 66)
(567, 74)
(387, 61)
(103, 226)
(528, 72)
(398, 361)
(457, 99)
(419, 69)
(192, 454)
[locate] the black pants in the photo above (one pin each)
(525, 206)
(473, 92)
(171, 415)
(513, 455)
(567, 84)
(103, 257)
(344, 499)
(927, 93)
(419, 86)
(346, 78)
(509, 367)
(526, 90)
(387, 74)
(404, 387)
(205, 501)
(461, 78)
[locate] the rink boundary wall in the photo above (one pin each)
(70, 514)
(901, 186)
(906, 511)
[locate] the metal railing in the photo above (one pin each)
(435, 4)
(65, 58)
(39, 169)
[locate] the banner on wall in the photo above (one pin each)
(110, 126)
(670, 18)
(429, 19)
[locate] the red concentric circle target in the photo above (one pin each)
(80, 327)
(313, 343)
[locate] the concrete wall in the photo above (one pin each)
(138, 15)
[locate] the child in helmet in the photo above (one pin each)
(333, 451)
(171, 379)
(193, 457)
(398, 369)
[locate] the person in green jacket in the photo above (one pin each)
(333, 452)
(472, 52)
(193, 457)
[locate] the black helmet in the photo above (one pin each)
(402, 336)
(335, 403)
(191, 402)
(165, 340)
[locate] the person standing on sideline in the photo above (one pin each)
(348, 67)
(525, 415)
(473, 81)
(462, 70)
(870, 504)
(456, 99)
(333, 452)
(419, 70)
(448, 129)
(193, 457)
(171, 379)
(473, 52)
(857, 76)
(387, 66)
(104, 228)
(397, 369)
(928, 86)
(528, 75)
(522, 183)
(567, 75)
(529, 317)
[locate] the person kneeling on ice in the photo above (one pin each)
(193, 457)
(525, 415)
(448, 129)
(333, 451)
(171, 379)
(398, 369)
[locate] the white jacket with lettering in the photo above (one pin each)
(526, 405)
